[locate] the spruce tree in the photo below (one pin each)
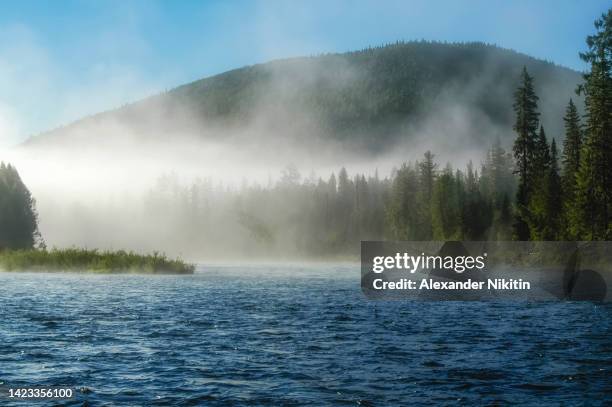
(18, 216)
(571, 145)
(541, 159)
(445, 207)
(497, 186)
(526, 124)
(536, 214)
(501, 180)
(345, 205)
(593, 201)
(401, 208)
(427, 169)
(554, 201)
(503, 229)
(427, 174)
(476, 212)
(571, 164)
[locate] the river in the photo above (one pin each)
(292, 335)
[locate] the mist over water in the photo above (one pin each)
(102, 197)
(105, 181)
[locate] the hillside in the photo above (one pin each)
(366, 99)
(172, 170)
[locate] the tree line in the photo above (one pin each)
(573, 202)
(312, 216)
(532, 191)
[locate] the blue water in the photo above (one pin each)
(292, 336)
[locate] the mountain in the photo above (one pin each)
(368, 100)
(116, 178)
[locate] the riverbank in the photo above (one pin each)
(91, 261)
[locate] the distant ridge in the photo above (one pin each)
(370, 97)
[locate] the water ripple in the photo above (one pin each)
(293, 336)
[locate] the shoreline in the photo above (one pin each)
(86, 261)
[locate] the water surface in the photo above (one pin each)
(292, 335)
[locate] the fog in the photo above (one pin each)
(126, 178)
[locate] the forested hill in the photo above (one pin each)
(369, 97)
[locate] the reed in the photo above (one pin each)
(95, 261)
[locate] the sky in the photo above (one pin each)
(62, 60)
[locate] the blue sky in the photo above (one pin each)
(61, 60)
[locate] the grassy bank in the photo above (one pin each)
(83, 260)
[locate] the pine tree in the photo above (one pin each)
(18, 215)
(427, 174)
(445, 207)
(499, 169)
(593, 201)
(541, 160)
(571, 164)
(401, 208)
(554, 202)
(503, 221)
(497, 185)
(526, 124)
(571, 145)
(538, 216)
(427, 169)
(476, 215)
(345, 206)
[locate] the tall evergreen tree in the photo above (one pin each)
(571, 144)
(498, 184)
(554, 197)
(344, 207)
(427, 174)
(445, 207)
(537, 210)
(476, 210)
(593, 203)
(526, 124)
(541, 159)
(571, 164)
(499, 169)
(503, 220)
(427, 170)
(401, 209)
(18, 216)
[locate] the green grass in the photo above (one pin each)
(94, 261)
